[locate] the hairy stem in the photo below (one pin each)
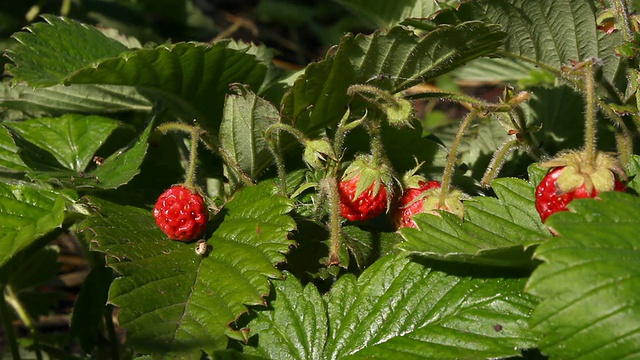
(271, 135)
(377, 147)
(451, 158)
(282, 170)
(213, 144)
(590, 131)
(330, 186)
(497, 161)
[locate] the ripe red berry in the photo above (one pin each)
(412, 202)
(549, 198)
(364, 207)
(181, 213)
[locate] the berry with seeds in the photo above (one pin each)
(181, 213)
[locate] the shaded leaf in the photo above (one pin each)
(495, 231)
(173, 300)
(589, 282)
(72, 139)
(49, 51)
(393, 61)
(547, 33)
(244, 121)
(27, 213)
(367, 246)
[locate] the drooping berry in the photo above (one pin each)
(412, 202)
(572, 176)
(365, 190)
(181, 213)
(364, 207)
(550, 199)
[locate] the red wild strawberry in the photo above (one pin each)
(412, 202)
(181, 213)
(365, 191)
(570, 178)
(366, 206)
(425, 199)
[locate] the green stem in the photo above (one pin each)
(377, 147)
(213, 144)
(372, 90)
(451, 158)
(590, 131)
(497, 161)
(14, 302)
(330, 185)
(297, 134)
(195, 133)
(111, 330)
(282, 170)
(273, 142)
(8, 326)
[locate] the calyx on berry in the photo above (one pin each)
(422, 196)
(572, 176)
(365, 190)
(599, 176)
(181, 213)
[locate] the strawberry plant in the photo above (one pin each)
(229, 207)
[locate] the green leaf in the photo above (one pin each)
(9, 157)
(495, 231)
(590, 280)
(547, 33)
(27, 213)
(385, 14)
(296, 328)
(53, 49)
(397, 309)
(77, 98)
(173, 300)
(392, 61)
(119, 168)
(245, 119)
(191, 77)
(72, 139)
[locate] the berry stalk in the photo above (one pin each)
(451, 158)
(590, 131)
(330, 186)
